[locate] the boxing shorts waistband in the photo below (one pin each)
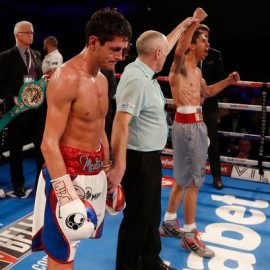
(189, 109)
(80, 162)
(188, 118)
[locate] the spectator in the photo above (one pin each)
(244, 149)
(18, 65)
(53, 58)
(212, 71)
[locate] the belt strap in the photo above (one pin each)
(187, 118)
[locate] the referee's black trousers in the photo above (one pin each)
(138, 239)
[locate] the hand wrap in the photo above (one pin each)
(76, 218)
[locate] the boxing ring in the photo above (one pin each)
(247, 169)
(250, 169)
(234, 221)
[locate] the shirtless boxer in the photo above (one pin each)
(189, 134)
(72, 188)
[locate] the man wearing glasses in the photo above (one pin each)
(18, 65)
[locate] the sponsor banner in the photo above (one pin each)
(167, 181)
(226, 168)
(15, 241)
(250, 174)
(166, 161)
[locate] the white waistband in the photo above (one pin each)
(189, 109)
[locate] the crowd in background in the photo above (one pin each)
(243, 121)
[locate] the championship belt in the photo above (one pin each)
(31, 96)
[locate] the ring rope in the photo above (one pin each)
(239, 83)
(249, 136)
(242, 161)
(239, 106)
(242, 135)
(233, 106)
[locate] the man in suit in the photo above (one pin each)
(21, 64)
(212, 72)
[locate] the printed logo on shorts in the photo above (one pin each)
(87, 193)
(89, 164)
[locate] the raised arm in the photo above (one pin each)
(178, 31)
(191, 24)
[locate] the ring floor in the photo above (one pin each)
(234, 222)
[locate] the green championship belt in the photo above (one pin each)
(31, 96)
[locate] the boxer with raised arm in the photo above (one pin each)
(189, 134)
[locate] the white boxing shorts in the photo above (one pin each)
(90, 182)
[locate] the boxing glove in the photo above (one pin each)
(115, 202)
(76, 218)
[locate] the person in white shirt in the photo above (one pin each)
(53, 58)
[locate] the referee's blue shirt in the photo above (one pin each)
(141, 96)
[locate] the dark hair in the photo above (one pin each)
(52, 40)
(107, 23)
(204, 27)
(196, 34)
